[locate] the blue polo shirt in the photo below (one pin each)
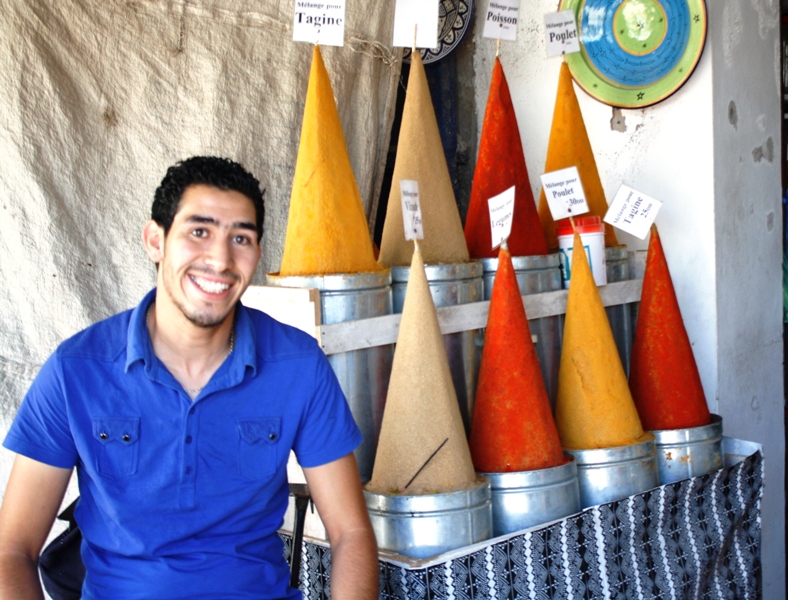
(182, 499)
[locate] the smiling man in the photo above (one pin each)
(179, 416)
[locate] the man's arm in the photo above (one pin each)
(31, 502)
(336, 491)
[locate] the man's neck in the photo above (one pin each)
(190, 352)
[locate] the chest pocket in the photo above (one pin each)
(258, 441)
(118, 453)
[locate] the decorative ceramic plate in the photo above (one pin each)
(454, 18)
(635, 53)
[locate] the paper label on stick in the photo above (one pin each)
(500, 22)
(564, 193)
(561, 33)
(632, 211)
(411, 209)
(319, 22)
(421, 15)
(501, 216)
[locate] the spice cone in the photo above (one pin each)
(513, 427)
(421, 407)
(499, 166)
(420, 158)
(569, 147)
(664, 377)
(327, 229)
(594, 408)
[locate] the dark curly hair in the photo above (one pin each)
(218, 172)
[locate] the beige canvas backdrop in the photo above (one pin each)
(97, 98)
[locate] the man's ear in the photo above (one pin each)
(153, 240)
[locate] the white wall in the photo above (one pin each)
(721, 219)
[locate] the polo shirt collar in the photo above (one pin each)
(139, 347)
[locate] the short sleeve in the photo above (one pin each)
(41, 429)
(327, 431)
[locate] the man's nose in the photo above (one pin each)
(219, 256)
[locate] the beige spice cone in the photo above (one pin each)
(421, 408)
(594, 407)
(420, 158)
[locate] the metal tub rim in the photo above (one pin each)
(441, 272)
(522, 263)
(607, 457)
(537, 479)
(412, 505)
(689, 435)
(333, 281)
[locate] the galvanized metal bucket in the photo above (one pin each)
(536, 274)
(452, 284)
(423, 526)
(608, 474)
(691, 452)
(363, 374)
(620, 316)
(528, 498)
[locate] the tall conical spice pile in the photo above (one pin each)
(569, 147)
(327, 229)
(513, 427)
(421, 408)
(594, 407)
(420, 157)
(664, 376)
(499, 166)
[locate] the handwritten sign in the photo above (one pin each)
(501, 216)
(421, 14)
(319, 22)
(632, 211)
(411, 209)
(500, 22)
(561, 33)
(564, 193)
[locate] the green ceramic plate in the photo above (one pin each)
(635, 53)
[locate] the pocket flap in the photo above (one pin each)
(255, 430)
(125, 430)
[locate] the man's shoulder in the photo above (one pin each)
(275, 340)
(105, 340)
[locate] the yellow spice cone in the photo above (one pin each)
(594, 407)
(420, 157)
(569, 147)
(327, 229)
(421, 408)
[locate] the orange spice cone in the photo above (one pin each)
(499, 166)
(569, 147)
(327, 229)
(664, 377)
(421, 407)
(420, 157)
(513, 427)
(594, 407)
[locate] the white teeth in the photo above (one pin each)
(212, 287)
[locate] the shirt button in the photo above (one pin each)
(126, 437)
(188, 470)
(103, 435)
(272, 436)
(188, 439)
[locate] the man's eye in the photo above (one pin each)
(242, 240)
(199, 232)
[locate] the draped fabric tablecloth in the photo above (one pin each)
(698, 538)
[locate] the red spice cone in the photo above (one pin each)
(664, 377)
(513, 427)
(501, 165)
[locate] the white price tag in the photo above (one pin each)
(632, 211)
(319, 22)
(421, 14)
(561, 33)
(500, 23)
(411, 209)
(501, 216)
(564, 193)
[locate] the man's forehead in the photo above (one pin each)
(201, 201)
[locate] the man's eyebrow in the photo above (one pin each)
(212, 221)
